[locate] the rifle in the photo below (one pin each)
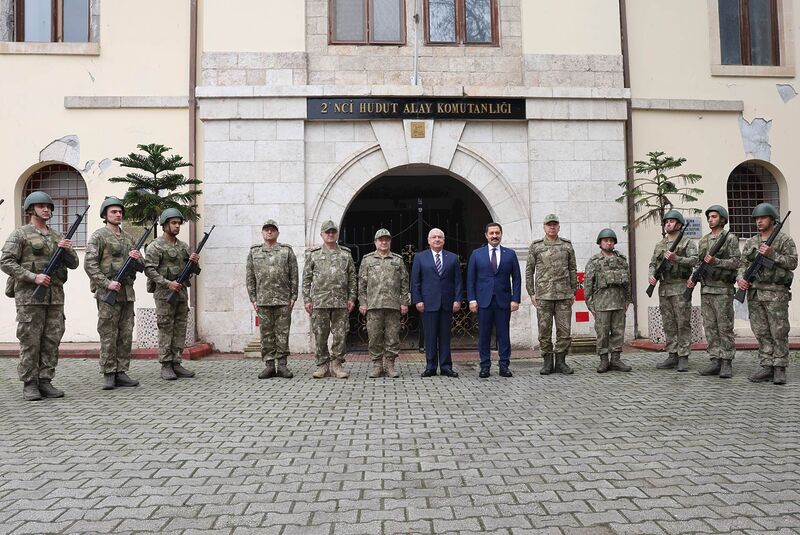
(130, 263)
(665, 266)
(191, 268)
(704, 268)
(58, 255)
(761, 262)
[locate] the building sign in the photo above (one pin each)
(694, 228)
(366, 108)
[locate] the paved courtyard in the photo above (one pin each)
(645, 452)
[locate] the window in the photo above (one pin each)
(749, 184)
(68, 190)
(461, 22)
(749, 32)
(377, 22)
(52, 21)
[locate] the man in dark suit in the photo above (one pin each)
(494, 287)
(436, 291)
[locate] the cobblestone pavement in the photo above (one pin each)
(646, 452)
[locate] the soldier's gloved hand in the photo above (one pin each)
(533, 300)
(403, 310)
(765, 249)
(65, 244)
(743, 284)
(652, 280)
(690, 283)
(194, 257)
(175, 286)
(114, 286)
(514, 306)
(42, 280)
(135, 254)
(291, 304)
(670, 256)
(309, 307)
(350, 306)
(709, 259)
(362, 310)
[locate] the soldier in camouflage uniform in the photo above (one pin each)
(165, 258)
(106, 251)
(272, 287)
(676, 309)
(769, 295)
(607, 287)
(551, 278)
(40, 324)
(716, 297)
(383, 294)
(329, 293)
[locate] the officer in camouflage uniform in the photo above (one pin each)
(607, 287)
(676, 309)
(107, 250)
(272, 287)
(716, 297)
(165, 258)
(769, 295)
(40, 324)
(383, 294)
(329, 293)
(551, 278)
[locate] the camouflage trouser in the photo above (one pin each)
(172, 322)
(676, 316)
(273, 325)
(717, 312)
(610, 328)
(39, 331)
(770, 323)
(383, 328)
(561, 311)
(326, 321)
(115, 327)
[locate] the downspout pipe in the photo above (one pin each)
(193, 140)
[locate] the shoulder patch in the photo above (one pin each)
(540, 240)
(564, 240)
(256, 246)
(343, 248)
(311, 250)
(395, 255)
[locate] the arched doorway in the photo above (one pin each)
(409, 202)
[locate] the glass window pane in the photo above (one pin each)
(38, 20)
(442, 21)
(478, 15)
(760, 14)
(729, 32)
(350, 20)
(76, 21)
(386, 21)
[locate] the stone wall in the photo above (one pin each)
(254, 68)
(551, 70)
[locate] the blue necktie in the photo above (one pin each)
(494, 260)
(438, 264)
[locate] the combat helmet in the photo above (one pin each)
(168, 214)
(606, 233)
(110, 201)
(766, 209)
(676, 215)
(37, 197)
(723, 213)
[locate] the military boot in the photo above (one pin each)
(726, 369)
(779, 376)
(269, 370)
(670, 362)
(377, 369)
(683, 364)
(561, 365)
(617, 364)
(48, 390)
(182, 372)
(122, 379)
(322, 371)
(765, 374)
(337, 370)
(547, 366)
(30, 391)
(167, 373)
(713, 367)
(604, 364)
(283, 369)
(391, 371)
(109, 381)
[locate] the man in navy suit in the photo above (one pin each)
(436, 290)
(494, 287)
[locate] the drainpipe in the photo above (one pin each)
(626, 76)
(193, 139)
(415, 76)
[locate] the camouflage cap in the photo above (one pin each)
(383, 233)
(550, 218)
(269, 223)
(329, 225)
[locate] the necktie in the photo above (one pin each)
(438, 264)
(494, 259)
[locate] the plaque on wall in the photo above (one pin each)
(368, 108)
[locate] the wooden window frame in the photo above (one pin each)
(461, 25)
(745, 43)
(56, 22)
(368, 39)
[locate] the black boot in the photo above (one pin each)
(167, 373)
(764, 374)
(604, 364)
(683, 364)
(182, 372)
(547, 367)
(284, 371)
(713, 367)
(670, 362)
(122, 379)
(779, 377)
(48, 390)
(30, 391)
(561, 365)
(726, 369)
(109, 381)
(269, 370)
(617, 364)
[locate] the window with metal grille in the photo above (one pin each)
(68, 190)
(749, 184)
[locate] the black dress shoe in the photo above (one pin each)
(428, 373)
(449, 373)
(484, 373)
(505, 372)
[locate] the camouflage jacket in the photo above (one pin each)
(163, 263)
(383, 282)
(271, 274)
(26, 253)
(722, 275)
(674, 282)
(607, 283)
(329, 277)
(551, 272)
(776, 280)
(105, 254)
